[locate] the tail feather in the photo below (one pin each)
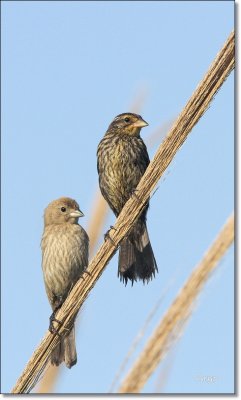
(127, 262)
(65, 351)
(70, 355)
(136, 258)
(57, 355)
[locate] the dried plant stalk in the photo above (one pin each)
(177, 313)
(138, 102)
(195, 108)
(98, 217)
(49, 379)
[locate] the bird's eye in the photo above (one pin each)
(127, 119)
(63, 209)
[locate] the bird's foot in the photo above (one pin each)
(107, 236)
(52, 319)
(85, 272)
(133, 193)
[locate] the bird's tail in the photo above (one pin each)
(65, 351)
(136, 258)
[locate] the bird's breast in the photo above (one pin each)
(64, 255)
(120, 164)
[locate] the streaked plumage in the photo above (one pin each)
(64, 258)
(122, 159)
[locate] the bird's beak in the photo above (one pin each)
(76, 214)
(140, 123)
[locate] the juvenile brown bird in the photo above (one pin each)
(65, 246)
(122, 159)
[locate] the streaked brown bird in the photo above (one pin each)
(65, 246)
(122, 159)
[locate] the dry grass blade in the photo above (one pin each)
(99, 214)
(177, 314)
(47, 381)
(200, 100)
(137, 104)
(164, 373)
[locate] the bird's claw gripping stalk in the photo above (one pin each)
(52, 319)
(107, 236)
(85, 272)
(133, 193)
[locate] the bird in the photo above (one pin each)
(122, 159)
(65, 248)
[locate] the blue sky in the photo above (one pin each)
(68, 68)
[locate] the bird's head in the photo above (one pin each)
(63, 210)
(127, 124)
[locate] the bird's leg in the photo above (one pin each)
(107, 236)
(52, 319)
